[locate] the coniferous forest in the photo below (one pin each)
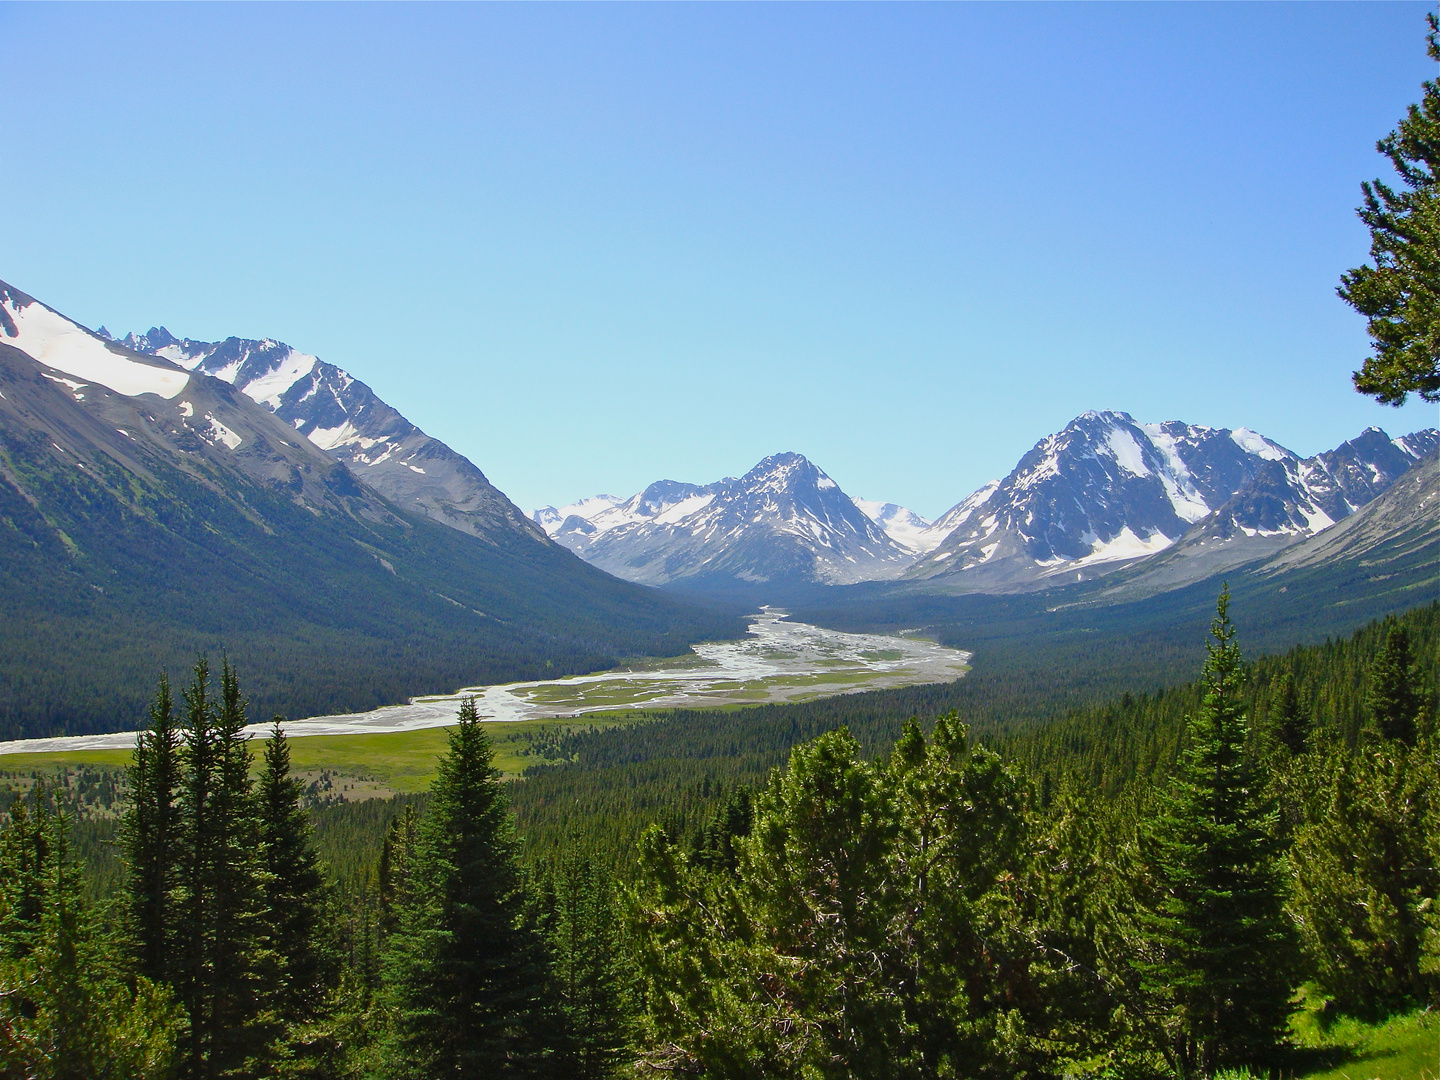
(1163, 885)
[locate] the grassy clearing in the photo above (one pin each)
(385, 762)
(1401, 1048)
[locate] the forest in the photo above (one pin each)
(1191, 881)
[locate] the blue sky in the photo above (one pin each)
(591, 246)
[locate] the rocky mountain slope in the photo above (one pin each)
(344, 417)
(783, 522)
(1106, 492)
(148, 512)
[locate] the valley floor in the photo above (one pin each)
(780, 661)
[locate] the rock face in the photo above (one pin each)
(1107, 491)
(783, 522)
(343, 417)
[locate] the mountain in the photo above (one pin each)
(784, 522)
(344, 417)
(905, 527)
(149, 512)
(1401, 526)
(1106, 492)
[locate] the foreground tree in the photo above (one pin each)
(1219, 940)
(219, 914)
(588, 981)
(69, 1009)
(858, 932)
(465, 970)
(151, 840)
(1400, 293)
(292, 890)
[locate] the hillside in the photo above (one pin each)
(148, 513)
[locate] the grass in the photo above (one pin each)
(398, 761)
(1403, 1047)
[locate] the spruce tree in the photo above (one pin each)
(1289, 723)
(292, 890)
(70, 1008)
(464, 969)
(588, 980)
(1392, 699)
(220, 872)
(1221, 947)
(25, 849)
(151, 839)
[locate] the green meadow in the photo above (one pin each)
(393, 762)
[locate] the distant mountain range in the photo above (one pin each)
(278, 511)
(161, 496)
(1103, 493)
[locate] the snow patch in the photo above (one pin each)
(1128, 454)
(1185, 498)
(1124, 545)
(56, 342)
(267, 389)
(684, 508)
(219, 433)
(329, 438)
(1254, 443)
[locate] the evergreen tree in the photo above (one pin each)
(25, 853)
(292, 889)
(68, 1010)
(465, 970)
(1393, 700)
(1221, 963)
(1400, 294)
(1289, 723)
(393, 874)
(152, 839)
(220, 875)
(588, 978)
(1366, 879)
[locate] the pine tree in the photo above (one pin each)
(1392, 700)
(1366, 878)
(151, 839)
(1289, 723)
(1221, 966)
(218, 917)
(292, 891)
(587, 973)
(1400, 293)
(465, 971)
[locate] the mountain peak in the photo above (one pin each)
(784, 521)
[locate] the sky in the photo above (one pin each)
(592, 246)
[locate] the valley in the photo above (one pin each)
(779, 661)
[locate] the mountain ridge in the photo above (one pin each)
(149, 513)
(346, 418)
(1101, 494)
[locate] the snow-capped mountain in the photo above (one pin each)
(905, 527)
(152, 512)
(342, 416)
(1107, 491)
(784, 521)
